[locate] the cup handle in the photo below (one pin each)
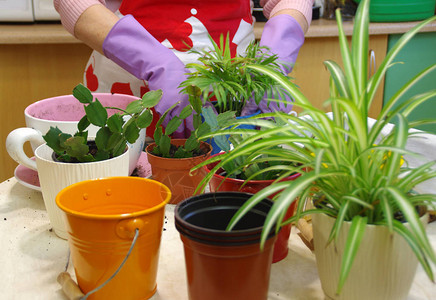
(15, 143)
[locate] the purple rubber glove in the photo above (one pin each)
(133, 48)
(284, 37)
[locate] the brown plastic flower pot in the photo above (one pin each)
(221, 183)
(175, 172)
(224, 264)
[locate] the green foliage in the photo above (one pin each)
(228, 79)
(114, 133)
(266, 166)
(357, 170)
(162, 137)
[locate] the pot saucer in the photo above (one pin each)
(29, 178)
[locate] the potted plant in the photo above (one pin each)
(246, 173)
(172, 159)
(223, 79)
(113, 134)
(358, 180)
(66, 159)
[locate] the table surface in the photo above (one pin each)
(31, 257)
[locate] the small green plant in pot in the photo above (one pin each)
(172, 159)
(224, 128)
(357, 179)
(246, 173)
(114, 132)
(226, 78)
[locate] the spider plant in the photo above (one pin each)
(357, 170)
(268, 166)
(224, 76)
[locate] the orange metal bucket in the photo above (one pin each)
(102, 217)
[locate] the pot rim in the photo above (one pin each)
(180, 159)
(240, 232)
(136, 214)
(241, 181)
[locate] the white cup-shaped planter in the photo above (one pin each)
(55, 176)
(65, 113)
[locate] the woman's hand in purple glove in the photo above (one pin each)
(283, 35)
(133, 48)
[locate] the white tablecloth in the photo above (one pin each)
(31, 256)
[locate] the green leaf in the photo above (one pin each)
(115, 140)
(83, 123)
(355, 235)
(347, 59)
(119, 148)
(101, 155)
(77, 147)
(96, 113)
(416, 227)
(222, 142)
(359, 47)
(165, 145)
(338, 77)
(191, 143)
(415, 246)
(102, 138)
(196, 101)
(83, 134)
(131, 132)
(115, 123)
(151, 98)
(83, 94)
(226, 118)
(173, 125)
(52, 138)
(134, 107)
(145, 119)
(163, 117)
(196, 121)
(341, 216)
(158, 133)
(181, 153)
(210, 117)
(186, 112)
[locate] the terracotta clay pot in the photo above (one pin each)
(221, 183)
(224, 264)
(176, 172)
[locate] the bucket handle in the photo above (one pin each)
(65, 279)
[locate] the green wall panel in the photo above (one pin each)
(418, 54)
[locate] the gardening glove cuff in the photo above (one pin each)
(133, 48)
(284, 37)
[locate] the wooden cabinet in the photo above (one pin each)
(43, 60)
(31, 72)
(313, 78)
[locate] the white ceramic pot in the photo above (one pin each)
(384, 266)
(55, 176)
(65, 113)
